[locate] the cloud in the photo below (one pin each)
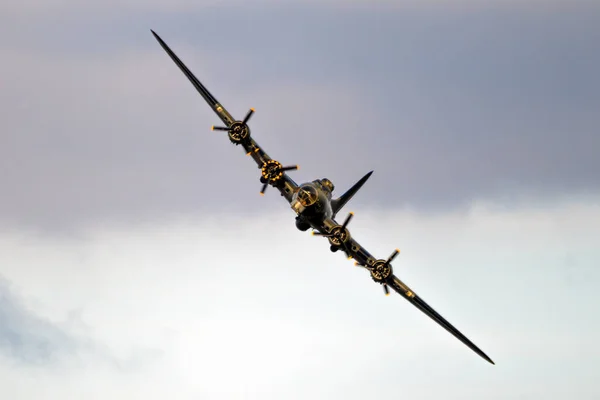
(37, 7)
(138, 264)
(447, 107)
(88, 150)
(26, 338)
(34, 341)
(238, 305)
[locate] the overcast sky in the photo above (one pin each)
(137, 259)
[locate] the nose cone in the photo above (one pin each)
(307, 195)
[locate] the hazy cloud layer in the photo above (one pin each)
(35, 339)
(232, 315)
(38, 7)
(24, 337)
(447, 103)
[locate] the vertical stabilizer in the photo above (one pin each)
(337, 204)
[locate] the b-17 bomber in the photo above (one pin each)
(314, 204)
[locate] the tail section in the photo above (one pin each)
(338, 203)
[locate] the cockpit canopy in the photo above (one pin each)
(307, 195)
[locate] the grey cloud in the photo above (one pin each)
(27, 338)
(446, 104)
(32, 340)
(252, 319)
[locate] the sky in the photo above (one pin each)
(137, 259)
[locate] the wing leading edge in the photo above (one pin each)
(366, 260)
(286, 184)
(210, 99)
(418, 302)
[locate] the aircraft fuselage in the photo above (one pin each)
(312, 204)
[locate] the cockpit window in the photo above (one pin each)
(307, 195)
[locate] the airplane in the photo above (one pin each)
(314, 204)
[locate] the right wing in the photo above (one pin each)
(288, 187)
(210, 99)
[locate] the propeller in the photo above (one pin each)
(339, 234)
(239, 131)
(271, 172)
(381, 271)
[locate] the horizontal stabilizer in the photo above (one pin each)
(338, 204)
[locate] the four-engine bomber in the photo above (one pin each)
(314, 204)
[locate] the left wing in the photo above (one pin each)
(381, 272)
(418, 302)
(281, 180)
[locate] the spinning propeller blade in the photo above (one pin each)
(348, 219)
(236, 126)
(264, 188)
(386, 289)
(247, 117)
(391, 258)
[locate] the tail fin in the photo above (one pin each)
(338, 203)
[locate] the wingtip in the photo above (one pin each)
(158, 38)
(481, 353)
(485, 357)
